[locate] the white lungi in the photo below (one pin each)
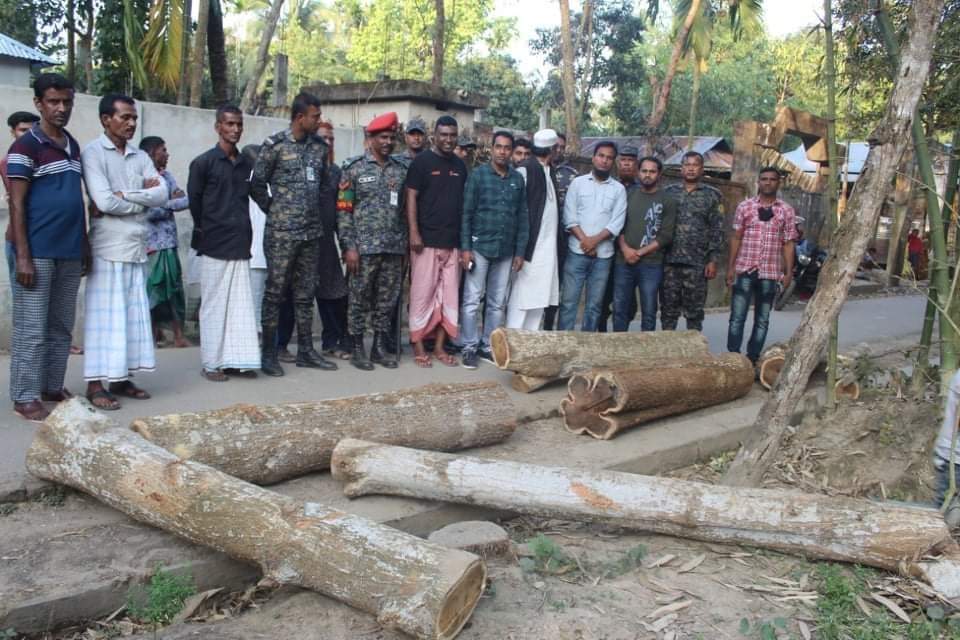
(228, 324)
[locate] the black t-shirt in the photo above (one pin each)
(438, 181)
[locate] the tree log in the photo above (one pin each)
(604, 403)
(886, 536)
(539, 357)
(267, 444)
(771, 363)
(423, 589)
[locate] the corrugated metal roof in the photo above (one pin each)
(670, 149)
(16, 49)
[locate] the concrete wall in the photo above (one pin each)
(357, 115)
(14, 72)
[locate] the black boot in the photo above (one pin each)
(308, 357)
(269, 363)
(377, 352)
(359, 357)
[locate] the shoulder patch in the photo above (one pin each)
(351, 161)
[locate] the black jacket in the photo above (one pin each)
(536, 200)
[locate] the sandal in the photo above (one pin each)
(128, 390)
(75, 350)
(32, 411)
(56, 396)
(423, 361)
(107, 401)
(214, 376)
(240, 373)
(447, 359)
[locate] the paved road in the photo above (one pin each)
(177, 385)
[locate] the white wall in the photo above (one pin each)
(14, 72)
(356, 116)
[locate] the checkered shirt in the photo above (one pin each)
(761, 248)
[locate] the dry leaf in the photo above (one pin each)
(191, 604)
(670, 635)
(692, 564)
(670, 597)
(804, 630)
(664, 622)
(670, 608)
(890, 604)
(663, 560)
(867, 609)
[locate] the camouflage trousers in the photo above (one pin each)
(684, 289)
(374, 288)
(291, 262)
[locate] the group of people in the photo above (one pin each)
(279, 226)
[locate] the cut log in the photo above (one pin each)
(771, 362)
(604, 403)
(423, 589)
(539, 357)
(886, 536)
(267, 444)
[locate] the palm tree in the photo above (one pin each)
(263, 51)
(163, 44)
(217, 52)
(198, 54)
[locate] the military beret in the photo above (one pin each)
(386, 122)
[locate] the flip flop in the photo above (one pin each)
(56, 396)
(128, 390)
(214, 376)
(75, 350)
(240, 373)
(424, 361)
(31, 411)
(447, 359)
(102, 394)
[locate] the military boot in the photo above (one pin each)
(377, 350)
(308, 357)
(358, 358)
(269, 363)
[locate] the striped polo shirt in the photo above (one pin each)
(54, 203)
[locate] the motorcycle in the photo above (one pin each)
(806, 270)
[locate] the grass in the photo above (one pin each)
(6, 508)
(162, 599)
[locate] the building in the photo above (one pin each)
(18, 62)
(717, 154)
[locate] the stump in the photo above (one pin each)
(267, 444)
(604, 403)
(887, 536)
(539, 357)
(423, 589)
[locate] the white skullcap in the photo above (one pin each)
(545, 138)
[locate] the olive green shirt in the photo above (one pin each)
(650, 216)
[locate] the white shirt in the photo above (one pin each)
(258, 221)
(945, 437)
(594, 206)
(120, 235)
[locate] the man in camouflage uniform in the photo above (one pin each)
(287, 185)
(697, 242)
(565, 173)
(373, 237)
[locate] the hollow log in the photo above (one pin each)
(886, 536)
(539, 357)
(423, 589)
(771, 362)
(604, 403)
(267, 444)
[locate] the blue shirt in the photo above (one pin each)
(54, 203)
(594, 206)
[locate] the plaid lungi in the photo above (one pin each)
(228, 324)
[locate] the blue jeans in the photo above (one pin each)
(626, 279)
(490, 276)
(763, 292)
(581, 271)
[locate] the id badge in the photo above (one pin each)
(311, 175)
(394, 199)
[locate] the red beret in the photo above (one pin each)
(386, 122)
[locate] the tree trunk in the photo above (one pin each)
(887, 536)
(263, 54)
(539, 357)
(267, 444)
(567, 79)
(950, 193)
(183, 85)
(217, 51)
(661, 90)
(198, 56)
(853, 234)
(830, 201)
(902, 197)
(604, 403)
(439, 31)
(420, 588)
(71, 41)
(694, 100)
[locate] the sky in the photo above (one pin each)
(788, 17)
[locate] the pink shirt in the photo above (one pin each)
(761, 248)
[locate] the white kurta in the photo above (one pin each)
(537, 284)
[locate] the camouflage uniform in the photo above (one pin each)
(565, 174)
(295, 173)
(697, 240)
(377, 231)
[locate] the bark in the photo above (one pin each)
(217, 52)
(771, 363)
(902, 197)
(184, 85)
(887, 536)
(850, 241)
(661, 90)
(694, 100)
(539, 357)
(198, 55)
(420, 588)
(267, 444)
(263, 54)
(604, 403)
(567, 79)
(830, 201)
(71, 41)
(439, 31)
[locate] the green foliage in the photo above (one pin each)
(8, 634)
(631, 560)
(163, 43)
(548, 557)
(764, 629)
(35, 23)
(113, 70)
(53, 496)
(496, 76)
(162, 599)
(6, 509)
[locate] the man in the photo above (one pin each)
(47, 247)
(415, 138)
(593, 214)
(466, 150)
(288, 185)
(123, 183)
(522, 149)
(19, 122)
(627, 175)
(434, 184)
(219, 192)
(761, 257)
(493, 240)
(373, 237)
(537, 285)
(914, 250)
(565, 173)
(647, 233)
(258, 261)
(164, 279)
(697, 241)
